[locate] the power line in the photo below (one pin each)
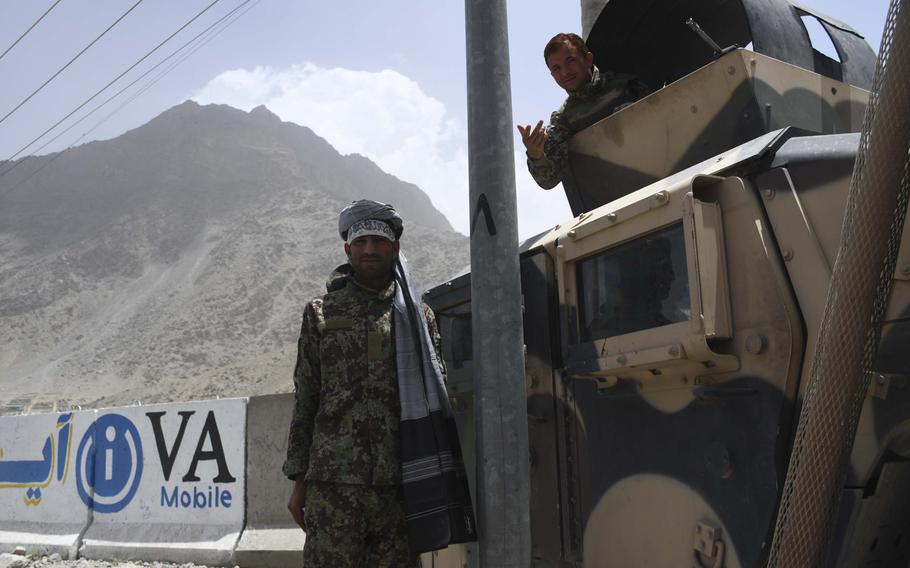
(25, 33)
(70, 62)
(109, 99)
(170, 68)
(141, 91)
(140, 77)
(114, 80)
(186, 56)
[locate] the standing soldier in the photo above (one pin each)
(592, 93)
(372, 449)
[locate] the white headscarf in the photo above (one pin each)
(368, 209)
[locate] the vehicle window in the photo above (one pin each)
(456, 338)
(637, 285)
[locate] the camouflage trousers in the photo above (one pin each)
(355, 526)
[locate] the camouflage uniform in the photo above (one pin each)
(332, 531)
(343, 436)
(604, 95)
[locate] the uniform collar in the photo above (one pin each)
(385, 294)
(590, 90)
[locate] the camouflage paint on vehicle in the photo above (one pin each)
(669, 326)
(643, 440)
(733, 100)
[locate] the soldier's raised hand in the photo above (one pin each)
(533, 139)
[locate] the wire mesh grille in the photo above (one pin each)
(855, 307)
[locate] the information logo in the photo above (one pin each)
(109, 464)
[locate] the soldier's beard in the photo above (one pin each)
(374, 279)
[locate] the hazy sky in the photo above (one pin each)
(381, 78)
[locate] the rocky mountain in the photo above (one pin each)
(173, 262)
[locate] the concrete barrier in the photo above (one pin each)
(271, 538)
(165, 482)
(39, 506)
(170, 482)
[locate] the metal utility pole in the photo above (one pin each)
(503, 485)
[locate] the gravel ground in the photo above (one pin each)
(54, 561)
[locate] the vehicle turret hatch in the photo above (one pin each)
(652, 40)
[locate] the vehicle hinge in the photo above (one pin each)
(708, 546)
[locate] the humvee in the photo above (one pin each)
(670, 324)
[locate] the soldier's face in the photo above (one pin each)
(372, 258)
(570, 69)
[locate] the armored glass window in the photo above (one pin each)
(456, 338)
(638, 285)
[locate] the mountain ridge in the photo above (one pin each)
(174, 260)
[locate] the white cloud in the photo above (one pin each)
(388, 118)
(538, 209)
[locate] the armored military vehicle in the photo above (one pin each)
(669, 326)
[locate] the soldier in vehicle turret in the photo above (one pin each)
(591, 93)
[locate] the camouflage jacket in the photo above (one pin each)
(346, 413)
(604, 95)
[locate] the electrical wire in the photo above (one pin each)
(147, 72)
(114, 80)
(183, 58)
(140, 92)
(186, 56)
(70, 62)
(109, 99)
(25, 33)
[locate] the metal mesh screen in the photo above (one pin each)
(851, 325)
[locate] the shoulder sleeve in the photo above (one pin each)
(307, 387)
